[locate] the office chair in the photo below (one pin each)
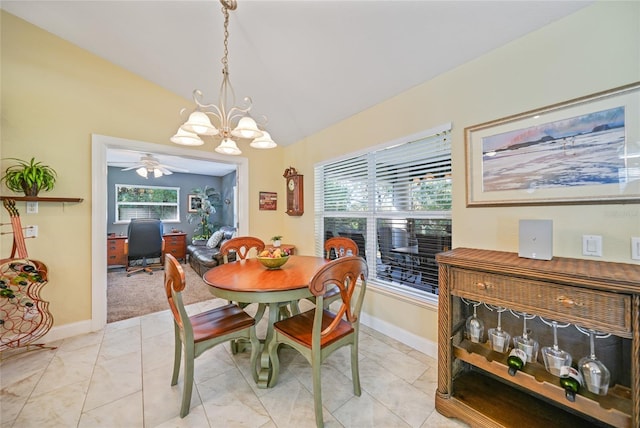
(144, 241)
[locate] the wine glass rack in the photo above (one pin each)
(473, 380)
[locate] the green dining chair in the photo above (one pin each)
(198, 333)
(317, 333)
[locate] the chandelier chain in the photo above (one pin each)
(225, 60)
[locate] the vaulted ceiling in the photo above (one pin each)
(305, 64)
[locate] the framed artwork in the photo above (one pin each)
(194, 202)
(268, 201)
(582, 151)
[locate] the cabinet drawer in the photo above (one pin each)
(115, 252)
(604, 311)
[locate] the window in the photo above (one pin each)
(147, 202)
(395, 203)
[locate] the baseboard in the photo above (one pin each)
(66, 330)
(421, 344)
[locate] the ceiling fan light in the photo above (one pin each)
(264, 142)
(247, 128)
(228, 147)
(200, 124)
(142, 171)
(186, 138)
(157, 173)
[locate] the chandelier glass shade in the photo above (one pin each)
(227, 123)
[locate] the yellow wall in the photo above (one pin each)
(55, 95)
(593, 50)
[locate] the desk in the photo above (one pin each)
(174, 243)
(248, 281)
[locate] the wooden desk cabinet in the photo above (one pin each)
(174, 243)
(115, 251)
(473, 381)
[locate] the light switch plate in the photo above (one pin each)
(635, 248)
(32, 207)
(592, 245)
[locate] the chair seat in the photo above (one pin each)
(219, 321)
(299, 328)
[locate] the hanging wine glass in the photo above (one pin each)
(595, 374)
(499, 338)
(554, 357)
(525, 342)
(474, 325)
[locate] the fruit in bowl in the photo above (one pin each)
(274, 258)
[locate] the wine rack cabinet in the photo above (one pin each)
(473, 380)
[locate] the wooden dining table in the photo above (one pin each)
(248, 281)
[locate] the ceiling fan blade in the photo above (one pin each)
(132, 167)
(164, 170)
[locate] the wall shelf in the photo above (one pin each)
(40, 199)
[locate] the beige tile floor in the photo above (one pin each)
(120, 377)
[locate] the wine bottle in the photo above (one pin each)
(516, 360)
(571, 380)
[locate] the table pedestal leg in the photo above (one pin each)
(264, 372)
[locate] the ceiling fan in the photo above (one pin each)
(149, 164)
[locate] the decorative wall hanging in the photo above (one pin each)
(582, 151)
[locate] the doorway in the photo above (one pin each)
(101, 144)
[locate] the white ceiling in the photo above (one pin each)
(305, 64)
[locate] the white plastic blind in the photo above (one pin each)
(409, 177)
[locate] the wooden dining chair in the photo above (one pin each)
(242, 246)
(339, 246)
(317, 333)
(336, 247)
(198, 333)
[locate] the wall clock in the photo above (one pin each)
(295, 192)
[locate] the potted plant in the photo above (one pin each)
(276, 240)
(29, 177)
(208, 197)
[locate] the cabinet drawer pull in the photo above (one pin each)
(568, 302)
(484, 285)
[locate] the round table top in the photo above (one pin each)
(251, 276)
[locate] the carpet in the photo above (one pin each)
(142, 294)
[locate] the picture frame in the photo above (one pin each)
(194, 202)
(268, 201)
(582, 151)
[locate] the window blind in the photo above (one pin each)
(404, 185)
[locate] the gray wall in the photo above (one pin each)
(186, 182)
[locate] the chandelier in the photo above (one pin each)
(232, 123)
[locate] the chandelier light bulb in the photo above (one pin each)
(200, 124)
(228, 147)
(186, 138)
(247, 128)
(264, 142)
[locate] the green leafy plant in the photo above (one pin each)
(276, 237)
(29, 177)
(209, 197)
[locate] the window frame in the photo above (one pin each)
(176, 204)
(372, 214)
